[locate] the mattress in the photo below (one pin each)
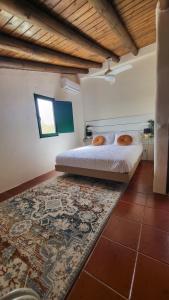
(113, 158)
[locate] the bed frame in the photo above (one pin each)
(115, 176)
(119, 124)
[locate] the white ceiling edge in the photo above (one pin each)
(126, 59)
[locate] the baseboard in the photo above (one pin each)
(26, 185)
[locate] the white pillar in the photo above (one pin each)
(162, 103)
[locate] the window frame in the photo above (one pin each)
(44, 135)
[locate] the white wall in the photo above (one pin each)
(23, 155)
(133, 92)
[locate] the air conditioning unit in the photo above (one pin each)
(70, 86)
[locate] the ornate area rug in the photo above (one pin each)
(47, 232)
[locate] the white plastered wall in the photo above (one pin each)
(23, 155)
(133, 92)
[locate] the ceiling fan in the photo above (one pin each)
(109, 74)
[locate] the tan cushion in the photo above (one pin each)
(124, 140)
(98, 140)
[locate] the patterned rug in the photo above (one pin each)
(47, 232)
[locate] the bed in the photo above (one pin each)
(111, 162)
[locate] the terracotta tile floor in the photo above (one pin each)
(131, 257)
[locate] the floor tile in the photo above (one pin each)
(113, 264)
(151, 280)
(157, 218)
(136, 198)
(140, 188)
(87, 288)
(122, 231)
(155, 243)
(158, 201)
(130, 211)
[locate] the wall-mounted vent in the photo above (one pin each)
(70, 86)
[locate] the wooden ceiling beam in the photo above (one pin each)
(106, 10)
(18, 64)
(38, 17)
(9, 43)
(164, 4)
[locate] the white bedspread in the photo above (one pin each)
(106, 158)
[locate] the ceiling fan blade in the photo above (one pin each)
(121, 69)
(111, 75)
(98, 76)
(95, 75)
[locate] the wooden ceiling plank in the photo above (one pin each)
(79, 13)
(67, 12)
(91, 24)
(82, 21)
(37, 32)
(12, 24)
(140, 15)
(134, 21)
(141, 9)
(138, 8)
(45, 38)
(131, 5)
(102, 31)
(106, 10)
(150, 37)
(84, 17)
(99, 29)
(127, 5)
(37, 35)
(4, 18)
(30, 32)
(141, 21)
(25, 32)
(146, 6)
(61, 6)
(145, 31)
(4, 21)
(54, 41)
(40, 18)
(62, 45)
(12, 63)
(50, 41)
(23, 27)
(66, 47)
(9, 43)
(61, 42)
(97, 26)
(134, 13)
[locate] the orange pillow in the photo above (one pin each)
(98, 140)
(124, 140)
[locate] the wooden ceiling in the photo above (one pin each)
(82, 16)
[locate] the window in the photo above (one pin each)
(53, 116)
(45, 116)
